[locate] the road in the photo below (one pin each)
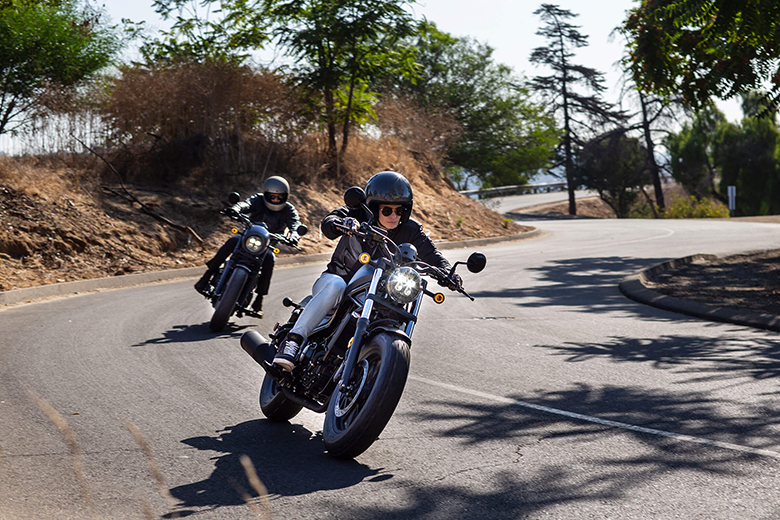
(549, 396)
(505, 204)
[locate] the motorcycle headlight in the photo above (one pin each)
(255, 243)
(404, 284)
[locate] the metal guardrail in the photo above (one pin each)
(520, 189)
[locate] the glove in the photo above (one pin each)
(453, 283)
(230, 212)
(294, 241)
(351, 223)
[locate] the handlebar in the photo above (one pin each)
(240, 217)
(373, 234)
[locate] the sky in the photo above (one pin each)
(509, 26)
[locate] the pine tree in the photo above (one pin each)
(579, 113)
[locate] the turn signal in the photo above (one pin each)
(438, 297)
(364, 258)
(275, 250)
(234, 231)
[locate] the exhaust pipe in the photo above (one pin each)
(258, 347)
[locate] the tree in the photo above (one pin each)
(222, 35)
(691, 152)
(614, 165)
(576, 111)
(47, 46)
(341, 46)
(704, 48)
(747, 155)
(505, 138)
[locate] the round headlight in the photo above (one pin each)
(255, 243)
(404, 284)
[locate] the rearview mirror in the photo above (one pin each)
(234, 197)
(354, 197)
(476, 262)
(302, 230)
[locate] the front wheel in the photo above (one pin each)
(227, 301)
(276, 407)
(356, 416)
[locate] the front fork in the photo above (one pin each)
(360, 329)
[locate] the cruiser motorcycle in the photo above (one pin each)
(231, 289)
(354, 364)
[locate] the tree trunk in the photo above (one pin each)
(653, 165)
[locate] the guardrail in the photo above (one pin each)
(520, 189)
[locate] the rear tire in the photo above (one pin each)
(275, 406)
(227, 301)
(354, 422)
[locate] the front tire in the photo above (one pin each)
(276, 407)
(227, 301)
(355, 418)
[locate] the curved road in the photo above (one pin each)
(550, 396)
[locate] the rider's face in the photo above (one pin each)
(393, 218)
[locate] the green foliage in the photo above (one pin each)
(747, 156)
(614, 165)
(695, 207)
(343, 45)
(47, 46)
(222, 35)
(506, 138)
(691, 152)
(702, 49)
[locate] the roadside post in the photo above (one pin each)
(732, 192)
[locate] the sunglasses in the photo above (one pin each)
(274, 197)
(387, 211)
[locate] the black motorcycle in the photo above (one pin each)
(230, 291)
(354, 364)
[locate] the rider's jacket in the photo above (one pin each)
(275, 221)
(344, 261)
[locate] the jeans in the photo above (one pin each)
(326, 294)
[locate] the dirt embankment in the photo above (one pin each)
(58, 224)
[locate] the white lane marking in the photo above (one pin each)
(596, 420)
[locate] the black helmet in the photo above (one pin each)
(277, 186)
(389, 188)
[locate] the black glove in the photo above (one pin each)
(230, 212)
(453, 283)
(294, 240)
(351, 223)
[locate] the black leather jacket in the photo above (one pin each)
(344, 261)
(275, 221)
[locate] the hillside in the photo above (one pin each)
(63, 218)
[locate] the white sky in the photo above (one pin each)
(509, 26)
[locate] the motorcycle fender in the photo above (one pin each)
(393, 331)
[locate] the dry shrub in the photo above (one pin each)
(224, 118)
(426, 133)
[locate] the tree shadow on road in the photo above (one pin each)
(732, 355)
(583, 284)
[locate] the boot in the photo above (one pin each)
(202, 285)
(257, 305)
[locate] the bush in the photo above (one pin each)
(693, 207)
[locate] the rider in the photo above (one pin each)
(389, 197)
(270, 207)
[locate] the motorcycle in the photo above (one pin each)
(236, 279)
(354, 364)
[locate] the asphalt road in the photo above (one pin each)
(505, 204)
(550, 396)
